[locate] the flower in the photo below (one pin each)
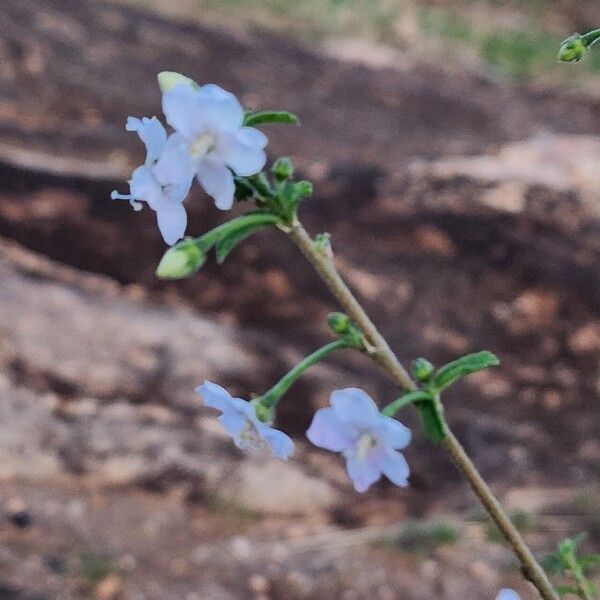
(368, 440)
(507, 594)
(209, 142)
(166, 199)
(240, 420)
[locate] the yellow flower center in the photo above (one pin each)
(202, 145)
(364, 443)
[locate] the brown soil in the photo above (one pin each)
(441, 272)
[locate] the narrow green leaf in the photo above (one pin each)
(579, 539)
(227, 243)
(252, 119)
(432, 421)
(391, 409)
(466, 365)
(553, 563)
(591, 561)
(563, 590)
(210, 238)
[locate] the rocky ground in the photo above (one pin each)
(464, 212)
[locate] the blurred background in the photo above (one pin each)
(456, 166)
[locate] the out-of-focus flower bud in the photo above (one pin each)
(338, 323)
(573, 49)
(181, 261)
(422, 369)
(304, 189)
(169, 79)
(283, 168)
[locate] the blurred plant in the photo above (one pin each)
(523, 522)
(576, 46)
(216, 142)
(423, 537)
(566, 561)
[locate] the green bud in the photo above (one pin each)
(339, 323)
(262, 185)
(169, 79)
(422, 369)
(181, 261)
(304, 189)
(263, 413)
(283, 168)
(323, 244)
(573, 49)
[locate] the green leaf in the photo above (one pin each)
(432, 420)
(591, 561)
(252, 119)
(569, 546)
(553, 563)
(415, 396)
(227, 243)
(563, 590)
(466, 365)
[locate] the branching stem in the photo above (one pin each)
(382, 353)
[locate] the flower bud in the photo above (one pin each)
(338, 323)
(304, 189)
(573, 49)
(181, 261)
(169, 79)
(422, 369)
(283, 168)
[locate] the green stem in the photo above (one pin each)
(582, 583)
(591, 37)
(270, 398)
(210, 238)
(418, 395)
(384, 355)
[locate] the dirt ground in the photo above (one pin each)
(445, 219)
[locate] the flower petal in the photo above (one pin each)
(393, 465)
(176, 164)
(220, 110)
(215, 396)
(252, 137)
(217, 181)
(172, 221)
(183, 111)
(144, 186)
(362, 472)
(393, 433)
(356, 407)
(245, 159)
(507, 594)
(152, 133)
(235, 424)
(327, 431)
(281, 444)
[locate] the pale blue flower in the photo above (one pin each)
(507, 594)
(367, 439)
(209, 142)
(164, 198)
(240, 420)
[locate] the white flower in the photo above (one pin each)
(165, 198)
(239, 419)
(209, 142)
(368, 440)
(507, 594)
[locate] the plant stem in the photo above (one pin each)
(577, 572)
(382, 353)
(591, 37)
(270, 398)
